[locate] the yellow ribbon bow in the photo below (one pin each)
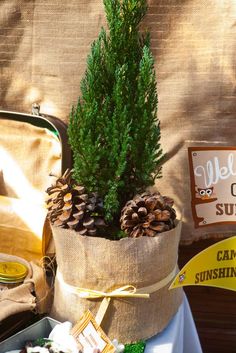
(127, 291)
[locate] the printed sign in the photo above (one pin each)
(214, 266)
(90, 336)
(213, 185)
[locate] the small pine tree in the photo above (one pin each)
(114, 131)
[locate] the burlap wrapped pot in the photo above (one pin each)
(105, 265)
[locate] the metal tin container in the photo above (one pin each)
(42, 328)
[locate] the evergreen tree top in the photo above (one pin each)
(114, 131)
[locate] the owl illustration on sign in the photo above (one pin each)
(205, 194)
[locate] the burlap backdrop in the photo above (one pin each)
(101, 264)
(193, 42)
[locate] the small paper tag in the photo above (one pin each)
(90, 336)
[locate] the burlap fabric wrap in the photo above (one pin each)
(101, 264)
(21, 298)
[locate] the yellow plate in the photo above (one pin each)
(13, 270)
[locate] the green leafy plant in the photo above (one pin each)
(114, 131)
(138, 347)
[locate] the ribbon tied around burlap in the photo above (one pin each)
(127, 291)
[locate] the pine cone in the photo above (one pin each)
(70, 206)
(147, 215)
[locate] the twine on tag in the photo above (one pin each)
(127, 291)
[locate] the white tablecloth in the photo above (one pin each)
(180, 336)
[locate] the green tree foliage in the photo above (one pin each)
(114, 131)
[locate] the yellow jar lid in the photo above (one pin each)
(11, 281)
(12, 270)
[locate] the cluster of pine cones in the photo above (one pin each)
(70, 206)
